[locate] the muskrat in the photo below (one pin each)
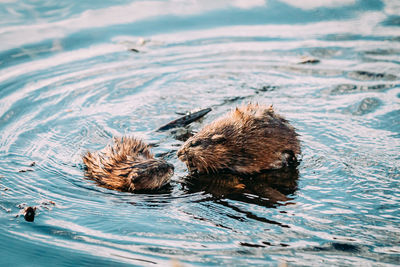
(127, 165)
(248, 140)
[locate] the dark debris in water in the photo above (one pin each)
(185, 120)
(266, 88)
(251, 245)
(31, 164)
(26, 170)
(309, 60)
(29, 214)
(264, 244)
(22, 205)
(47, 204)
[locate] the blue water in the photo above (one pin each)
(69, 82)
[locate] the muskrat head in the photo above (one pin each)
(210, 150)
(150, 174)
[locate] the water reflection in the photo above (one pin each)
(268, 189)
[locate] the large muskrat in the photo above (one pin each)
(247, 140)
(128, 165)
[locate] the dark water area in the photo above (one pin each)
(75, 74)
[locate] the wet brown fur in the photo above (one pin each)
(127, 165)
(247, 140)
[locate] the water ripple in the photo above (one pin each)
(81, 75)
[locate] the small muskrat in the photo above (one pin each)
(128, 165)
(247, 140)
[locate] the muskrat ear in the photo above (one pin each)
(238, 113)
(218, 138)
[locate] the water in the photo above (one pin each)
(69, 82)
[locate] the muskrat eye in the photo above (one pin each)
(195, 143)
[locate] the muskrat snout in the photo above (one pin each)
(184, 156)
(150, 174)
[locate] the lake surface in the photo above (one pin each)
(74, 73)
